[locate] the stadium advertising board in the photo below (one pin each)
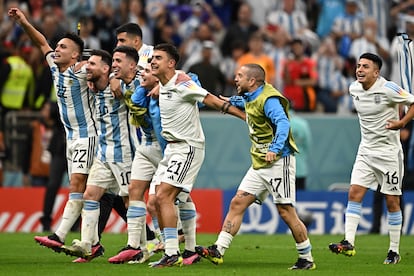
(20, 210)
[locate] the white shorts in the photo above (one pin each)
(386, 171)
(113, 177)
(80, 154)
(146, 160)
(180, 167)
(278, 180)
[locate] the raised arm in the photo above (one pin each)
(37, 37)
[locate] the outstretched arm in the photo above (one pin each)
(223, 106)
(37, 38)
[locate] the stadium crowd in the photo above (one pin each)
(215, 36)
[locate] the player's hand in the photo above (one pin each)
(224, 98)
(394, 125)
(91, 86)
(16, 14)
(155, 92)
(115, 86)
(270, 157)
(182, 77)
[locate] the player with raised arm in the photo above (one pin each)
(380, 156)
(77, 112)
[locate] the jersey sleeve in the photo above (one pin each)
(397, 94)
(191, 91)
(49, 59)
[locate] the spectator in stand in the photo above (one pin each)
(278, 50)
(104, 22)
(341, 84)
(191, 49)
(294, 21)
(138, 15)
(239, 30)
(380, 10)
(165, 24)
(300, 78)
(348, 27)
(209, 75)
(329, 10)
(228, 67)
(261, 9)
(74, 10)
(86, 28)
(256, 54)
(371, 42)
(328, 64)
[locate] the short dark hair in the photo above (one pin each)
(130, 28)
(256, 71)
(374, 58)
(170, 49)
(75, 38)
(128, 51)
(105, 56)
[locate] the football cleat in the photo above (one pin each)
(52, 241)
(145, 257)
(97, 251)
(211, 253)
(190, 257)
(77, 249)
(126, 254)
(392, 258)
(165, 261)
(303, 264)
(343, 247)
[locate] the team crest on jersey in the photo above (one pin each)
(377, 99)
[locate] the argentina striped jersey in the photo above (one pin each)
(76, 103)
(117, 137)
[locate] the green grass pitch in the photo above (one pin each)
(249, 255)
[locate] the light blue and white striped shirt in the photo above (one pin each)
(76, 103)
(117, 137)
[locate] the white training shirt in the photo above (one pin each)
(117, 137)
(76, 104)
(375, 107)
(180, 118)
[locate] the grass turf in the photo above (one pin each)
(249, 255)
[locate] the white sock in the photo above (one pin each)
(71, 213)
(171, 241)
(352, 217)
(143, 239)
(90, 217)
(305, 250)
(135, 219)
(394, 230)
(188, 217)
(223, 242)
